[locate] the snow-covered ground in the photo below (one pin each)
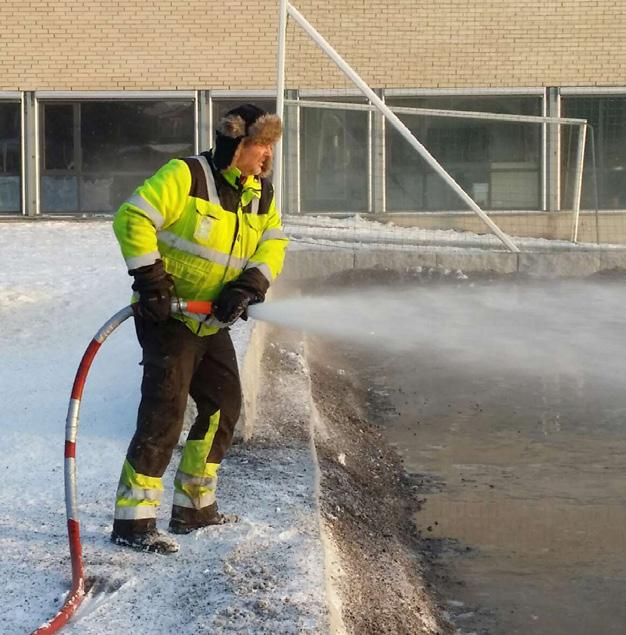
(356, 230)
(59, 281)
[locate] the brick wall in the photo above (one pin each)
(169, 44)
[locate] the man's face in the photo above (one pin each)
(251, 157)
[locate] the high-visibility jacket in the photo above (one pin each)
(207, 227)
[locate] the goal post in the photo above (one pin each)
(280, 98)
(391, 115)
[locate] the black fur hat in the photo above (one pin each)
(244, 122)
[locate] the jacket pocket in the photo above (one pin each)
(213, 228)
(204, 227)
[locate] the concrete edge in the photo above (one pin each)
(250, 377)
(301, 264)
(333, 571)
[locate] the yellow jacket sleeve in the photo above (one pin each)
(156, 204)
(270, 253)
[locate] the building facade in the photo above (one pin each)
(94, 96)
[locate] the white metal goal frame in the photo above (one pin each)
(391, 115)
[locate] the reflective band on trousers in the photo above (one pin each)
(181, 499)
(196, 480)
(138, 495)
(195, 492)
(196, 451)
(151, 212)
(136, 512)
(207, 253)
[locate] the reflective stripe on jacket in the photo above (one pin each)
(206, 226)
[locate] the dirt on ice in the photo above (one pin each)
(368, 503)
(376, 571)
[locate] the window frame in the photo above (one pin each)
(590, 92)
(76, 98)
(16, 97)
(452, 93)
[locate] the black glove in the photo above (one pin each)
(237, 295)
(232, 304)
(155, 287)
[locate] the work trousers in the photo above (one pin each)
(177, 363)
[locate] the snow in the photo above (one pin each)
(59, 282)
(358, 232)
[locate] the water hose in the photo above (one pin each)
(78, 588)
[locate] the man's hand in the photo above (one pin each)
(155, 288)
(232, 303)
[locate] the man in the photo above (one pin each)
(201, 228)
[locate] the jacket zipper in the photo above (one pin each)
(230, 254)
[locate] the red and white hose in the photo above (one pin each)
(77, 590)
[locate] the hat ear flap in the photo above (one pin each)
(266, 130)
(225, 148)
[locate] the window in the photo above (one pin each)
(607, 115)
(497, 163)
(334, 159)
(95, 153)
(10, 153)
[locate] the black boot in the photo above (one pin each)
(185, 519)
(142, 535)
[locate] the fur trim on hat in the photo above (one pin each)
(232, 126)
(266, 130)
